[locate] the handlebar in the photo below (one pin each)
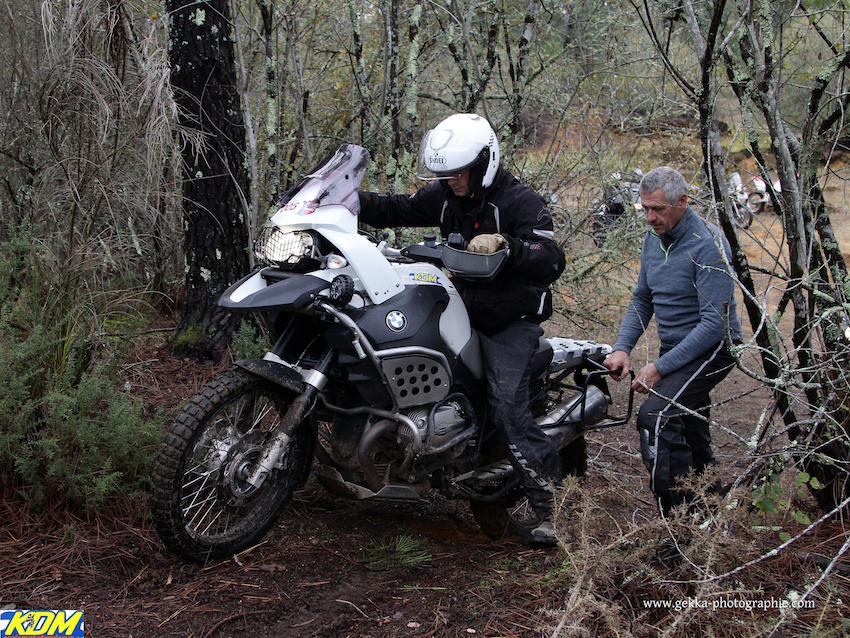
(602, 371)
(388, 251)
(467, 265)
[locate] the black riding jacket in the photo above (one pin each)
(521, 289)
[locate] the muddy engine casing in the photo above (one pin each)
(439, 427)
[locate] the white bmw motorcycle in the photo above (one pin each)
(374, 383)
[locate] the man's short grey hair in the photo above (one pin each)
(667, 179)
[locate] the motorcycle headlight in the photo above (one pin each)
(284, 249)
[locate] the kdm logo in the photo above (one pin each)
(45, 622)
(426, 277)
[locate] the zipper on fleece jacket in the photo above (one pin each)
(664, 249)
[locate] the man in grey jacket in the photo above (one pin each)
(685, 283)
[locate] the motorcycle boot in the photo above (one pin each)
(544, 533)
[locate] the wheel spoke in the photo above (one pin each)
(200, 499)
(200, 509)
(267, 409)
(201, 476)
(231, 420)
(212, 522)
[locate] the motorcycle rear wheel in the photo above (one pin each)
(518, 519)
(755, 202)
(202, 505)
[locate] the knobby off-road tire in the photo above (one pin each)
(755, 202)
(743, 216)
(518, 519)
(202, 506)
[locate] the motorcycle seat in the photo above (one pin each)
(541, 359)
(471, 357)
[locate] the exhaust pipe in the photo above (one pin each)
(364, 452)
(564, 423)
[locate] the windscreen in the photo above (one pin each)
(333, 182)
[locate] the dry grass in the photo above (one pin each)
(632, 573)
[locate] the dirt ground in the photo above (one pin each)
(336, 568)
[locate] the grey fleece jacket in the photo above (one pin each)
(685, 286)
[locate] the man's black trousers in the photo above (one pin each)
(673, 441)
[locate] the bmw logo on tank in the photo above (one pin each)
(396, 321)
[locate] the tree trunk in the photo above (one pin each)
(271, 94)
(203, 74)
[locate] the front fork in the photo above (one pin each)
(314, 381)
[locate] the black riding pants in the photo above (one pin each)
(507, 365)
(674, 442)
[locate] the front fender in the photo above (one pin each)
(274, 372)
(254, 292)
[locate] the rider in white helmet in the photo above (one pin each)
(471, 195)
(462, 141)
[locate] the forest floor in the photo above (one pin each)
(336, 568)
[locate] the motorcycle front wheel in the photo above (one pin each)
(519, 519)
(743, 215)
(202, 505)
(599, 228)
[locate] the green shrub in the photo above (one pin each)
(72, 437)
(247, 343)
(69, 431)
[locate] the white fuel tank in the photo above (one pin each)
(455, 328)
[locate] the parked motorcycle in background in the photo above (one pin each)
(375, 383)
(619, 209)
(761, 197)
(744, 203)
(702, 201)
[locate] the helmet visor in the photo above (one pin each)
(444, 154)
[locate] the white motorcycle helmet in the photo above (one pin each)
(461, 141)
